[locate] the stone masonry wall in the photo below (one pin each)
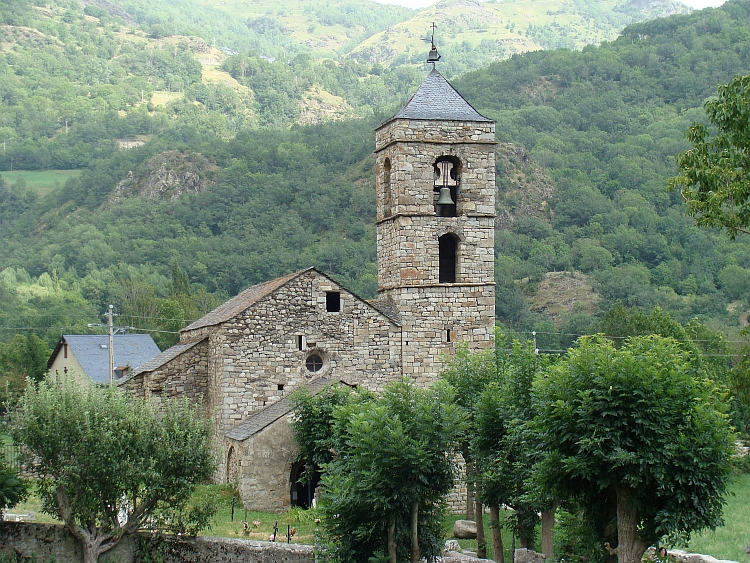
(51, 542)
(260, 355)
(408, 227)
(432, 316)
(183, 376)
(265, 469)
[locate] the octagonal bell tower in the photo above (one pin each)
(435, 165)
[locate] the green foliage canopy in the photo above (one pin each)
(106, 461)
(714, 175)
(634, 428)
(383, 490)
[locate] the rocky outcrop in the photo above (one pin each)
(168, 175)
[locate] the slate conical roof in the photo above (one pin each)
(437, 99)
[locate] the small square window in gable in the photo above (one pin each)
(333, 301)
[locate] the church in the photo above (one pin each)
(435, 184)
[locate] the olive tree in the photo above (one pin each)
(107, 462)
(639, 428)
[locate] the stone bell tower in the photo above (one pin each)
(435, 165)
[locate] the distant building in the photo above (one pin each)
(88, 355)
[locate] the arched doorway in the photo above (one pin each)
(303, 489)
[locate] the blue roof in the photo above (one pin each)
(437, 99)
(92, 352)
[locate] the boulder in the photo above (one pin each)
(465, 530)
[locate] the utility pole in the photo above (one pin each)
(111, 346)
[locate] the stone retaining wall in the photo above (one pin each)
(529, 556)
(49, 541)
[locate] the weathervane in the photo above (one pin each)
(434, 56)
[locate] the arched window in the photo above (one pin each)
(448, 246)
(447, 170)
(387, 196)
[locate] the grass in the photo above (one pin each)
(729, 541)
(42, 181)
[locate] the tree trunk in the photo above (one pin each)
(630, 547)
(415, 532)
(469, 485)
(481, 544)
(548, 534)
(497, 538)
(392, 541)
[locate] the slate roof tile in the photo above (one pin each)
(268, 415)
(437, 99)
(92, 352)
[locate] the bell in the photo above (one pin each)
(445, 197)
(433, 57)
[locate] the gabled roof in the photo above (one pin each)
(252, 295)
(268, 415)
(437, 99)
(167, 355)
(242, 301)
(92, 352)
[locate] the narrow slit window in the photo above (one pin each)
(447, 335)
(300, 342)
(447, 247)
(333, 301)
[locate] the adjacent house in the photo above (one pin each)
(87, 355)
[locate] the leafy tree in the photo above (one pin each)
(383, 494)
(713, 174)
(106, 462)
(469, 373)
(313, 425)
(12, 489)
(633, 429)
(503, 447)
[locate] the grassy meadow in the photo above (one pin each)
(41, 181)
(729, 541)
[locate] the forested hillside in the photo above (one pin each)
(223, 186)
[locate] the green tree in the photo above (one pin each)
(383, 494)
(503, 447)
(633, 427)
(106, 461)
(12, 489)
(713, 175)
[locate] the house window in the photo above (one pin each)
(447, 250)
(280, 387)
(314, 363)
(333, 301)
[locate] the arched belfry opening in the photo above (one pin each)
(386, 189)
(448, 252)
(447, 176)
